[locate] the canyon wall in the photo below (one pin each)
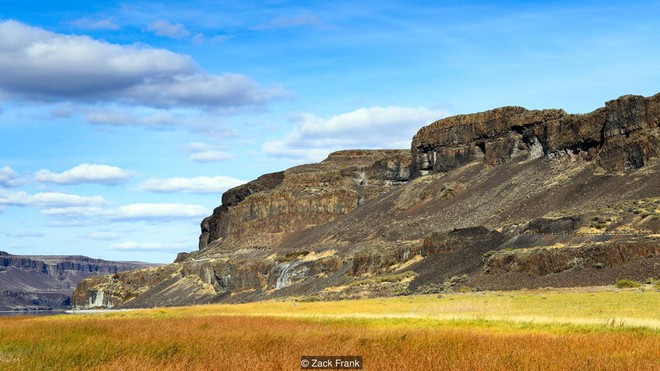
(507, 198)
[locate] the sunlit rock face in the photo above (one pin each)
(260, 213)
(503, 199)
(47, 282)
(622, 136)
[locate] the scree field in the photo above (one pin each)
(593, 328)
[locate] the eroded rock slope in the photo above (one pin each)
(507, 198)
(47, 282)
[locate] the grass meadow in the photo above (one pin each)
(524, 330)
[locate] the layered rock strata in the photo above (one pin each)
(622, 136)
(507, 198)
(46, 282)
(261, 213)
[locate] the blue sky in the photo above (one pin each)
(121, 123)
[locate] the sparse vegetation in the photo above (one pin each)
(387, 278)
(541, 329)
(290, 256)
(488, 254)
(624, 283)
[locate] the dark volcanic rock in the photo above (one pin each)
(506, 198)
(566, 224)
(46, 282)
(622, 136)
(261, 212)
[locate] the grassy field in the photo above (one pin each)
(531, 330)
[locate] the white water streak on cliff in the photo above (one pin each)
(282, 279)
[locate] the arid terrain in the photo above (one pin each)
(504, 199)
(45, 282)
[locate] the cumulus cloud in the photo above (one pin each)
(48, 199)
(210, 156)
(85, 173)
(76, 211)
(39, 65)
(148, 246)
(171, 30)
(201, 184)
(127, 213)
(202, 152)
(96, 24)
(163, 211)
(369, 128)
(9, 178)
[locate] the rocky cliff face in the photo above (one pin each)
(262, 212)
(622, 136)
(506, 198)
(46, 282)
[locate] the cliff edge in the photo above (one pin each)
(503, 199)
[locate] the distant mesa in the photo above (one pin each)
(44, 282)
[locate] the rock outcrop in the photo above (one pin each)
(261, 213)
(507, 198)
(622, 136)
(47, 282)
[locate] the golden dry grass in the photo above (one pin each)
(228, 337)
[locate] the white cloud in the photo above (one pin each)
(96, 24)
(198, 39)
(76, 211)
(48, 199)
(147, 211)
(202, 152)
(9, 178)
(210, 156)
(127, 213)
(196, 147)
(40, 65)
(171, 30)
(86, 173)
(364, 128)
(201, 184)
(148, 246)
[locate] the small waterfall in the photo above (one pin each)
(284, 271)
(99, 301)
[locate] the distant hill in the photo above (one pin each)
(508, 198)
(46, 282)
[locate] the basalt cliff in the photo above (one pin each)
(504, 199)
(45, 282)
